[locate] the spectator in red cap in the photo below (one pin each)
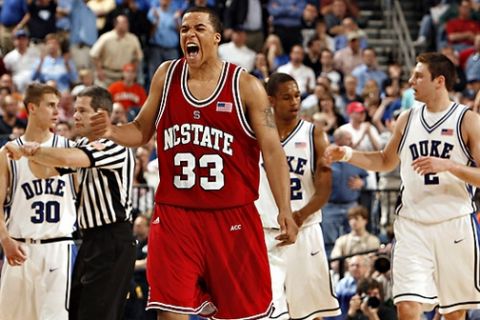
(355, 106)
(127, 91)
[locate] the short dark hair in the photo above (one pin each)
(367, 284)
(275, 80)
(358, 211)
(212, 16)
(35, 91)
(439, 65)
(101, 98)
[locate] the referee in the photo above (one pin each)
(105, 262)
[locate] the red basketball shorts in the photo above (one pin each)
(213, 263)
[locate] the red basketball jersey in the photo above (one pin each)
(207, 153)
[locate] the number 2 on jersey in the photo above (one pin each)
(188, 177)
(295, 189)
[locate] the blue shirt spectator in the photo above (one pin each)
(347, 182)
(368, 70)
(63, 20)
(55, 67)
(287, 21)
(164, 42)
(347, 287)
(287, 13)
(83, 20)
(165, 22)
(13, 12)
(342, 172)
(472, 68)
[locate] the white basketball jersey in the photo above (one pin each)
(40, 208)
(299, 148)
(434, 198)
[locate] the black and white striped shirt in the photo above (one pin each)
(105, 188)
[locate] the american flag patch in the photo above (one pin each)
(447, 132)
(224, 106)
(300, 144)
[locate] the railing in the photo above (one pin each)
(395, 21)
(381, 204)
(142, 198)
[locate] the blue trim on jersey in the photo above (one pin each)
(54, 140)
(414, 295)
(166, 85)
(405, 131)
(429, 128)
(203, 103)
(460, 136)
(12, 183)
(313, 160)
(476, 232)
(71, 257)
(292, 133)
(238, 103)
(399, 200)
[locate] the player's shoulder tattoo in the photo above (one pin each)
(268, 118)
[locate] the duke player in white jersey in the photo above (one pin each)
(300, 277)
(436, 256)
(37, 218)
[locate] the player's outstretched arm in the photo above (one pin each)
(139, 131)
(322, 180)
(49, 157)
(13, 252)
(470, 175)
(383, 160)
(262, 121)
(15, 152)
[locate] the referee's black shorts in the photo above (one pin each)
(102, 273)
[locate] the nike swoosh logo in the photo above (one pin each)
(314, 253)
(52, 269)
(457, 241)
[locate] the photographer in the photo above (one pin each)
(368, 303)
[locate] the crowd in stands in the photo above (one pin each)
(118, 44)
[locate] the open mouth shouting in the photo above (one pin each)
(192, 50)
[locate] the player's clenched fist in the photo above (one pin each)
(15, 152)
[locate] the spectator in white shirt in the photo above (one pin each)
(304, 75)
(20, 60)
(236, 50)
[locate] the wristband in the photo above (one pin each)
(347, 154)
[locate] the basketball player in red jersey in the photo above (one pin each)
(207, 252)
